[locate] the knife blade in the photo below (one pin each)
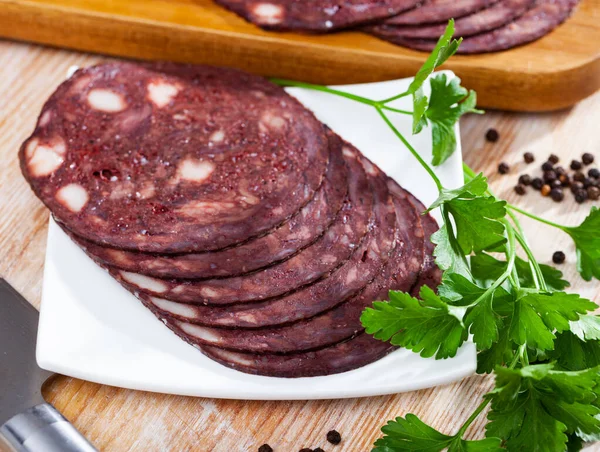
(27, 422)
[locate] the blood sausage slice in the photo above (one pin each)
(435, 11)
(314, 15)
(314, 262)
(337, 287)
(342, 357)
(538, 21)
(490, 18)
(336, 325)
(301, 230)
(172, 158)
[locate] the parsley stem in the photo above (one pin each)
(473, 416)
(412, 150)
(325, 89)
(393, 98)
(535, 217)
(536, 271)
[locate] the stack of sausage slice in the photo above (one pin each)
(249, 228)
(486, 25)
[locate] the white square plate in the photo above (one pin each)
(92, 328)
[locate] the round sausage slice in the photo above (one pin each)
(434, 11)
(400, 273)
(538, 21)
(490, 18)
(173, 158)
(314, 15)
(311, 264)
(301, 230)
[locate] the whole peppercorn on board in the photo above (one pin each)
(552, 73)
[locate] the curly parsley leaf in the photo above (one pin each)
(538, 315)
(448, 102)
(425, 326)
(412, 434)
(587, 243)
(486, 269)
(533, 408)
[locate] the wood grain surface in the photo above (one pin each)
(124, 420)
(551, 73)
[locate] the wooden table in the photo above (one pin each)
(122, 420)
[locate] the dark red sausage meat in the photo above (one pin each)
(314, 15)
(171, 158)
(250, 229)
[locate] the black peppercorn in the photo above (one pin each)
(520, 189)
(265, 448)
(557, 194)
(587, 158)
(547, 166)
(528, 157)
(575, 165)
(334, 437)
(546, 190)
(565, 180)
(580, 196)
(525, 179)
(558, 257)
(579, 176)
(553, 158)
(503, 168)
(492, 135)
(549, 176)
(556, 183)
(593, 193)
(576, 186)
(537, 183)
(306, 449)
(587, 182)
(560, 170)
(318, 449)
(594, 172)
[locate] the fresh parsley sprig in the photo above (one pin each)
(541, 343)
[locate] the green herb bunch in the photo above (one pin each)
(541, 343)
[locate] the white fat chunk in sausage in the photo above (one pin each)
(171, 307)
(45, 118)
(195, 170)
(268, 13)
(348, 153)
(106, 100)
(201, 209)
(118, 256)
(199, 332)
(270, 121)
(370, 168)
(208, 292)
(352, 275)
(144, 282)
(44, 158)
(73, 196)
(233, 357)
(217, 136)
(161, 93)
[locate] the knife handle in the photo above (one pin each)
(43, 429)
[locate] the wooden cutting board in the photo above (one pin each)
(552, 73)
